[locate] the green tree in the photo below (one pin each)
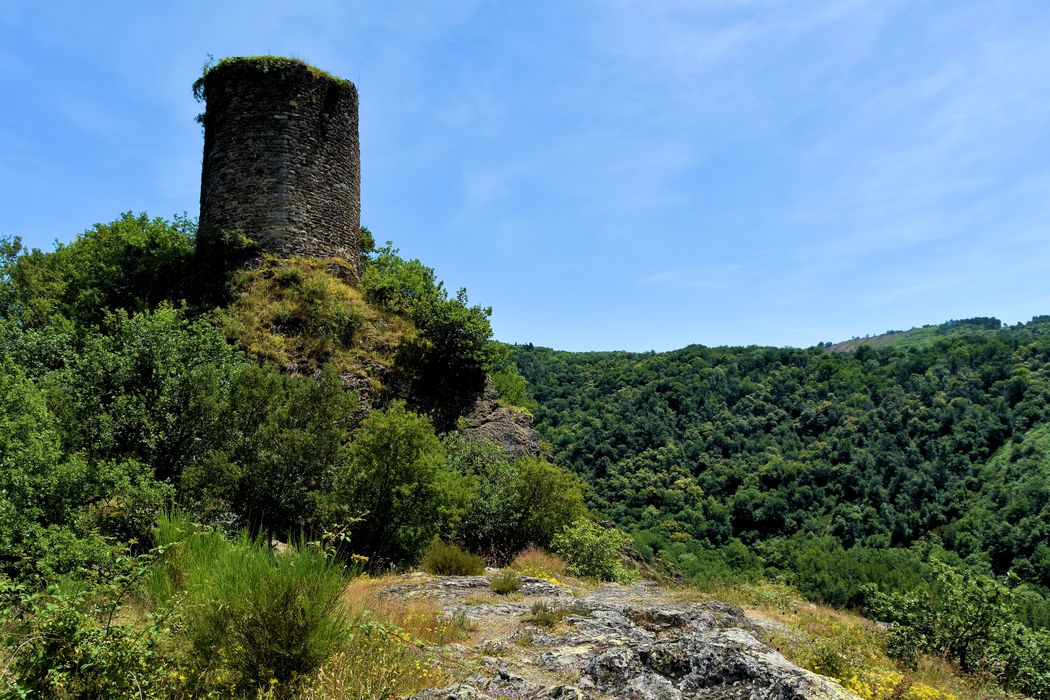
(397, 482)
(593, 551)
(548, 497)
(132, 263)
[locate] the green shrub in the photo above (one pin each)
(397, 482)
(254, 618)
(446, 559)
(515, 502)
(506, 582)
(449, 356)
(512, 388)
(132, 263)
(592, 551)
(73, 644)
(970, 620)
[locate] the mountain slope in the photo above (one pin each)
(885, 447)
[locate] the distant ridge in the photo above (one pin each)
(926, 335)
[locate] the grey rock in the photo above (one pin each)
(510, 428)
(650, 686)
(636, 643)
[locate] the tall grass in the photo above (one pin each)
(253, 618)
(539, 564)
(395, 650)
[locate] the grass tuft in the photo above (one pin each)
(253, 619)
(506, 582)
(544, 615)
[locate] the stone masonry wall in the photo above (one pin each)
(282, 158)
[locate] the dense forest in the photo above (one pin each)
(168, 411)
(835, 469)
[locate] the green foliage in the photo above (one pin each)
(144, 387)
(513, 389)
(254, 619)
(366, 242)
(969, 619)
(264, 64)
(71, 644)
(826, 572)
(397, 483)
(131, 264)
(593, 551)
(61, 512)
(513, 503)
(704, 565)
(505, 582)
(274, 453)
(447, 559)
(924, 336)
(878, 449)
(549, 498)
(449, 356)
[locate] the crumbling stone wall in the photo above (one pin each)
(281, 158)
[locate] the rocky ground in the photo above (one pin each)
(637, 642)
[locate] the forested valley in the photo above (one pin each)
(802, 455)
(897, 467)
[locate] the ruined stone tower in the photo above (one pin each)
(281, 157)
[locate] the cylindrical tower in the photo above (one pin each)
(282, 159)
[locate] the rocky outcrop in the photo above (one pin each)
(510, 428)
(620, 642)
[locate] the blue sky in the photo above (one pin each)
(606, 175)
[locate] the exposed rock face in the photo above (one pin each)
(509, 428)
(620, 642)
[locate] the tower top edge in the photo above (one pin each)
(266, 66)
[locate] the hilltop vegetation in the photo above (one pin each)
(926, 335)
(149, 413)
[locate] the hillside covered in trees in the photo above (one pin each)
(836, 469)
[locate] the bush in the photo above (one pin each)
(73, 644)
(449, 356)
(62, 513)
(549, 499)
(970, 620)
(515, 503)
(254, 618)
(397, 482)
(446, 559)
(593, 551)
(132, 263)
(506, 582)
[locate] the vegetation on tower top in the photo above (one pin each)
(262, 64)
